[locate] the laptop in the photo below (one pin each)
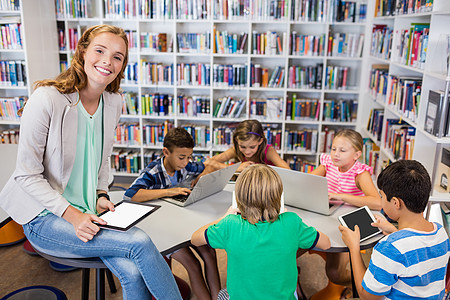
(306, 191)
(207, 185)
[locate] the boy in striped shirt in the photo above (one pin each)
(411, 261)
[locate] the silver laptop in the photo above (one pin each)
(306, 191)
(207, 185)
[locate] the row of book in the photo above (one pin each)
(336, 77)
(371, 155)
(156, 73)
(73, 9)
(153, 134)
(234, 75)
(11, 36)
(266, 109)
(301, 10)
(273, 136)
(225, 42)
(10, 106)
(304, 140)
(154, 42)
(399, 138)
(194, 106)
(307, 45)
(302, 109)
(9, 5)
(259, 77)
(200, 134)
(157, 104)
(326, 138)
(339, 110)
(379, 75)
(194, 42)
(301, 165)
(413, 45)
(268, 43)
(128, 134)
(126, 161)
(12, 73)
(436, 115)
(305, 77)
(345, 44)
(229, 107)
(10, 136)
(328, 11)
(130, 104)
(131, 73)
(193, 74)
(375, 123)
(404, 7)
(382, 37)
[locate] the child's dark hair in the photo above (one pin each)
(246, 130)
(178, 137)
(407, 180)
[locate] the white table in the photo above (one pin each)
(171, 226)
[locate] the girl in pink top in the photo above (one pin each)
(348, 181)
(250, 147)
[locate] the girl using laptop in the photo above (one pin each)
(349, 181)
(250, 147)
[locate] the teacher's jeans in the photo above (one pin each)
(130, 255)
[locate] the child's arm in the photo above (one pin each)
(323, 242)
(143, 195)
(198, 237)
(351, 239)
(274, 157)
(384, 225)
(365, 184)
(319, 171)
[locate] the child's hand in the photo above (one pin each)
(384, 225)
(335, 197)
(178, 191)
(244, 165)
(232, 211)
(351, 238)
(104, 204)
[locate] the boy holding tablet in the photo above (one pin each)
(411, 261)
(158, 180)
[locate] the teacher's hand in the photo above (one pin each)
(83, 224)
(104, 204)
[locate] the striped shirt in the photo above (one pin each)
(409, 264)
(343, 183)
(155, 176)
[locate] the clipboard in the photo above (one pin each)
(126, 215)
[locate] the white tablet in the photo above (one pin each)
(362, 217)
(126, 215)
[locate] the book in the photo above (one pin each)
(442, 176)
(434, 111)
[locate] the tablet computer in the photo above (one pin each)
(126, 215)
(362, 217)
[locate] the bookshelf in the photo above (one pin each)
(234, 54)
(415, 72)
(27, 54)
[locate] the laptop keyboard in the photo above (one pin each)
(181, 198)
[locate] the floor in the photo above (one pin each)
(19, 269)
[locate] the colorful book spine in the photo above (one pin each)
(128, 134)
(9, 107)
(158, 10)
(222, 137)
(304, 140)
(124, 9)
(307, 45)
(305, 77)
(157, 105)
(156, 73)
(154, 42)
(229, 107)
(375, 123)
(193, 106)
(302, 109)
(194, 42)
(301, 165)
(153, 134)
(126, 161)
(233, 75)
(336, 77)
(266, 109)
(399, 138)
(193, 74)
(225, 42)
(340, 110)
(131, 73)
(193, 9)
(382, 37)
(269, 43)
(200, 134)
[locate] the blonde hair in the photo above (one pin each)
(246, 130)
(74, 78)
(353, 137)
(258, 193)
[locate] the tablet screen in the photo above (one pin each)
(361, 218)
(126, 215)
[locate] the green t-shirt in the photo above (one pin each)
(261, 257)
(81, 190)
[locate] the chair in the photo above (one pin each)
(86, 264)
(37, 292)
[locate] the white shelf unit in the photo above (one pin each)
(433, 75)
(176, 25)
(39, 50)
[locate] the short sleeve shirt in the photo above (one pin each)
(343, 182)
(262, 257)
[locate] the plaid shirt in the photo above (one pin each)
(155, 176)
